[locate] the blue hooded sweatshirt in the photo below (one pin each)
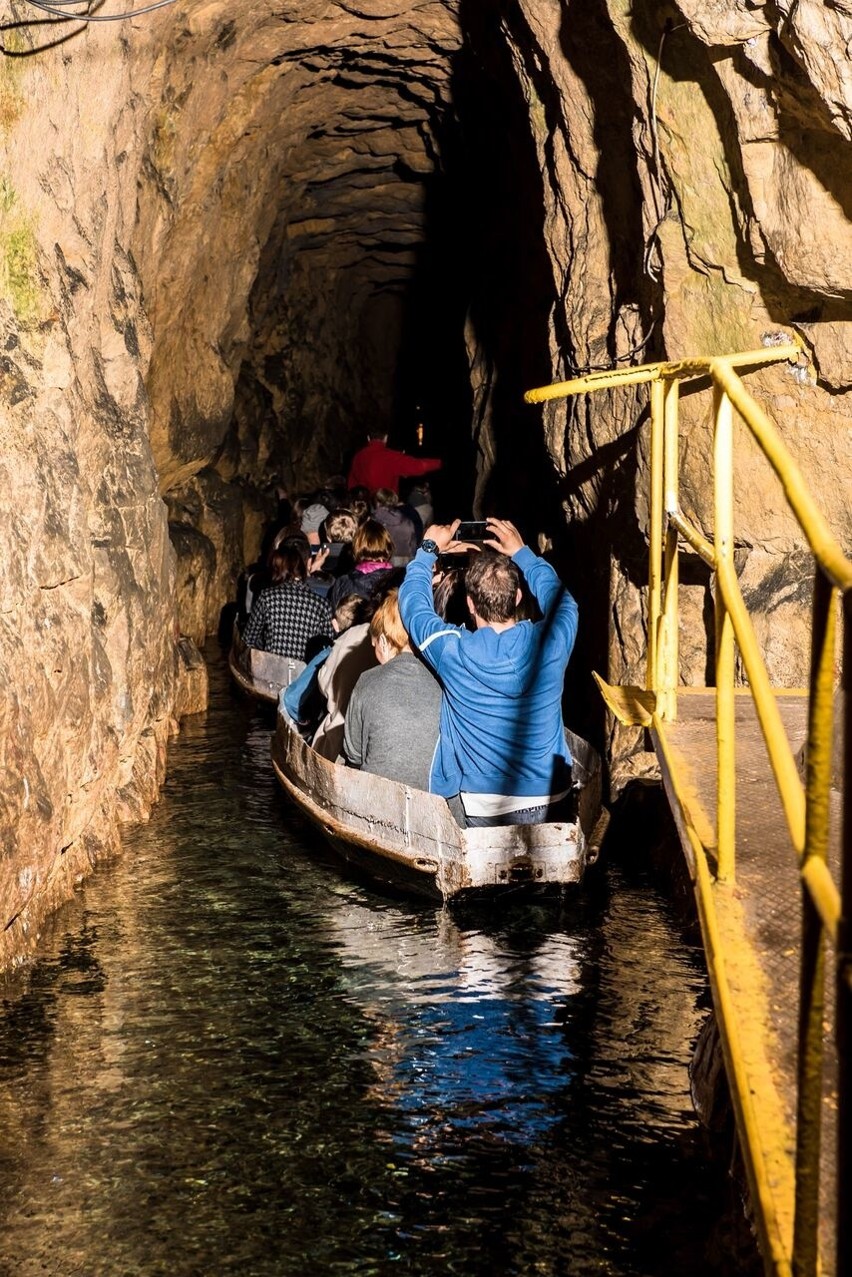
(501, 726)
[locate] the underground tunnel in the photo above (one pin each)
(232, 239)
(235, 239)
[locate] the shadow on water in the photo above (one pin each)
(233, 1059)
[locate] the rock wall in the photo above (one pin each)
(232, 240)
(695, 169)
(87, 616)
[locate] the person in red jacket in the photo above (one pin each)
(378, 466)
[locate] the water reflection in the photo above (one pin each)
(233, 1059)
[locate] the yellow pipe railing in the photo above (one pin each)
(806, 808)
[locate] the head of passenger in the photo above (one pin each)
(340, 526)
(387, 632)
(312, 518)
(493, 585)
(299, 505)
(287, 564)
(359, 503)
(448, 592)
(352, 611)
(385, 497)
(378, 432)
(372, 544)
(291, 539)
(331, 496)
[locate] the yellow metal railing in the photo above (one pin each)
(806, 808)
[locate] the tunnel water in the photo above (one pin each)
(233, 1058)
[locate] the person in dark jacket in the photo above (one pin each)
(391, 725)
(372, 549)
(399, 521)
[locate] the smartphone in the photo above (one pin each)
(473, 530)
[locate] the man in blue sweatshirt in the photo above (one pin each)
(501, 746)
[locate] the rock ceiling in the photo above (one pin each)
(290, 155)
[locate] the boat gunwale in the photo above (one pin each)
(512, 844)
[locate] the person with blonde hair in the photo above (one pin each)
(336, 536)
(391, 726)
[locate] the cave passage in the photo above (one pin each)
(397, 273)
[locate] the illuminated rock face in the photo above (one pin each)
(231, 239)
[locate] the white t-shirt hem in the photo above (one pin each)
(502, 804)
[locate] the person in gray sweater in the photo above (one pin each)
(391, 726)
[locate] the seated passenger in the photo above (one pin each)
(398, 520)
(313, 517)
(502, 749)
(287, 617)
(319, 579)
(349, 657)
(302, 699)
(372, 548)
(338, 533)
(420, 500)
(358, 502)
(391, 724)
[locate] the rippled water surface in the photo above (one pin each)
(234, 1059)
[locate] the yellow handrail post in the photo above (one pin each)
(844, 971)
(812, 972)
(726, 788)
(668, 656)
(655, 534)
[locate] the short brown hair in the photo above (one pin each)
(372, 543)
(492, 582)
(291, 538)
(387, 620)
(386, 497)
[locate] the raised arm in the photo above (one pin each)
(409, 467)
(558, 607)
(425, 628)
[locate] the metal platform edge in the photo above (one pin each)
(766, 1140)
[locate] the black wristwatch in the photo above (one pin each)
(429, 546)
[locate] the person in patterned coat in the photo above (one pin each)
(288, 615)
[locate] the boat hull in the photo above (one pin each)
(409, 839)
(261, 675)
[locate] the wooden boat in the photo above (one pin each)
(261, 674)
(410, 839)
